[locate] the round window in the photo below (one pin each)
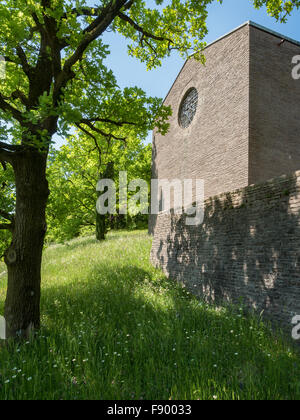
(188, 107)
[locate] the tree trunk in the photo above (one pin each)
(102, 219)
(24, 256)
(101, 226)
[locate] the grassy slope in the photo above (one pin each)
(115, 328)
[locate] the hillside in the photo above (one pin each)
(113, 327)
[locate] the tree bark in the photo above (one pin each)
(24, 256)
(102, 219)
(101, 226)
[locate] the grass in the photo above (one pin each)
(113, 327)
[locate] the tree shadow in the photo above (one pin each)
(115, 315)
(246, 249)
(81, 242)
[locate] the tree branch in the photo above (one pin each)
(18, 94)
(94, 139)
(141, 30)
(93, 11)
(129, 4)
(92, 32)
(6, 107)
(5, 156)
(24, 63)
(8, 152)
(7, 216)
(99, 131)
(7, 226)
(10, 60)
(11, 147)
(107, 121)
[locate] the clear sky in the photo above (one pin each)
(222, 18)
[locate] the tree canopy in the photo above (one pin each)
(280, 9)
(73, 173)
(55, 71)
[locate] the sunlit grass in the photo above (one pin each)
(113, 327)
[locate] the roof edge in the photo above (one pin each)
(247, 23)
(255, 25)
(270, 31)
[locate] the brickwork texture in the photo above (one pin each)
(247, 248)
(245, 131)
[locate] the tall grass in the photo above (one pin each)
(113, 327)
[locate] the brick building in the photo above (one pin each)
(236, 124)
(235, 120)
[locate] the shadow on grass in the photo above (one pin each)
(148, 339)
(78, 243)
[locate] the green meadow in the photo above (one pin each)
(113, 327)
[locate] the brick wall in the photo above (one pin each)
(215, 146)
(274, 122)
(248, 247)
(246, 128)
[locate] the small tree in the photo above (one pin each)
(55, 77)
(73, 173)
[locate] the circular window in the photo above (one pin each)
(188, 107)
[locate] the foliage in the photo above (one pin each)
(280, 9)
(73, 174)
(114, 327)
(63, 38)
(56, 77)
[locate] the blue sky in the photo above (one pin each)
(222, 18)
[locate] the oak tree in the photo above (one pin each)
(56, 78)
